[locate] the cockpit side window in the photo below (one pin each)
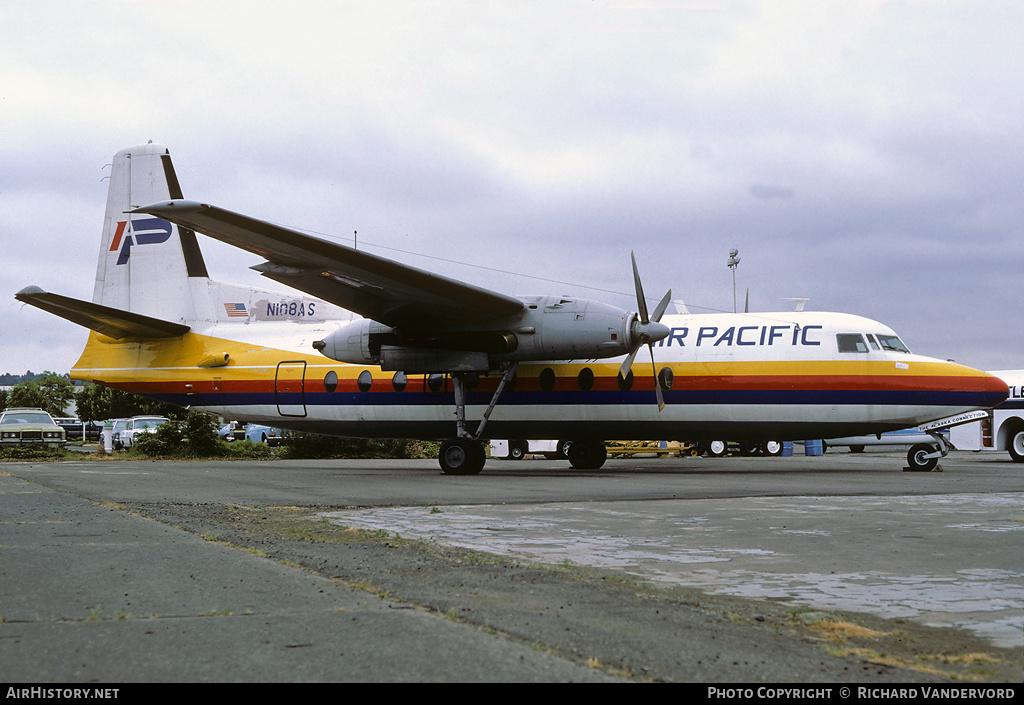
(851, 343)
(872, 342)
(892, 343)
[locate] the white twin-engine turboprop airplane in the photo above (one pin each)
(431, 357)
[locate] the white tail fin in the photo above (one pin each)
(146, 263)
(151, 280)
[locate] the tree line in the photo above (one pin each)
(53, 393)
(189, 433)
(9, 380)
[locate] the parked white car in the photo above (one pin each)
(133, 427)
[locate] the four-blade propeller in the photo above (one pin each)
(646, 330)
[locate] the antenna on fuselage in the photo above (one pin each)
(799, 303)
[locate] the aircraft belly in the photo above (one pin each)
(780, 422)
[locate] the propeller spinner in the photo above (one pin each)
(645, 330)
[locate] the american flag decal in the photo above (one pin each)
(236, 310)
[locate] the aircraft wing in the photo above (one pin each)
(374, 287)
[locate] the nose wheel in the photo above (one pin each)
(924, 457)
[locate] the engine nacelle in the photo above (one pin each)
(558, 328)
(356, 342)
(548, 328)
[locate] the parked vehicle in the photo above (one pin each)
(716, 449)
(25, 426)
(74, 429)
(1003, 428)
(135, 426)
(231, 431)
(518, 449)
(264, 434)
(114, 427)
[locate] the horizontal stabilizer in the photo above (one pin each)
(108, 321)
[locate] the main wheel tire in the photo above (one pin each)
(563, 449)
(461, 456)
(772, 448)
(1016, 447)
(716, 449)
(587, 455)
(916, 458)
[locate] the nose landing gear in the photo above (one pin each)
(924, 457)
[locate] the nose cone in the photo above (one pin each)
(991, 389)
(971, 388)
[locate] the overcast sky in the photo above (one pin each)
(866, 155)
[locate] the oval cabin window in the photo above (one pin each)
(626, 383)
(547, 379)
(365, 381)
(585, 379)
(331, 381)
(399, 381)
(665, 378)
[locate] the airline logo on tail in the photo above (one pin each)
(145, 231)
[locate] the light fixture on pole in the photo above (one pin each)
(734, 262)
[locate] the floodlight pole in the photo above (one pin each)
(734, 262)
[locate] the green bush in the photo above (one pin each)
(34, 451)
(247, 450)
(195, 436)
(315, 445)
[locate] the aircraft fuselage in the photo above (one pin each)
(742, 376)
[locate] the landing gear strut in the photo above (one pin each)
(464, 454)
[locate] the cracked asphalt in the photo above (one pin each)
(233, 572)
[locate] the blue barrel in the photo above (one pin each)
(812, 448)
(787, 449)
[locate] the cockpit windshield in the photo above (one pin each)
(855, 343)
(892, 343)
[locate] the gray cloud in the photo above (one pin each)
(862, 155)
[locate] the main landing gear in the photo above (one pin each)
(464, 454)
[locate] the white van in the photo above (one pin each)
(1003, 429)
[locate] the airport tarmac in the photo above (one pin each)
(744, 559)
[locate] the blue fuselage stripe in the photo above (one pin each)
(757, 397)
